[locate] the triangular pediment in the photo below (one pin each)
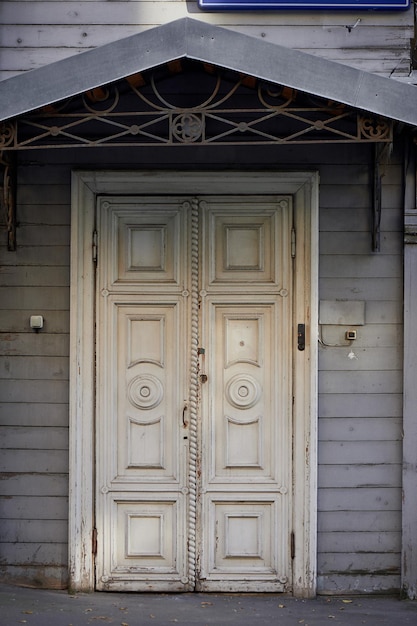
(223, 48)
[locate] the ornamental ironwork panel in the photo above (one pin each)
(190, 103)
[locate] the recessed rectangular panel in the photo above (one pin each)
(242, 340)
(145, 444)
(149, 398)
(243, 536)
(241, 239)
(146, 249)
(146, 340)
(148, 244)
(243, 247)
(144, 240)
(242, 362)
(243, 441)
(244, 542)
(145, 536)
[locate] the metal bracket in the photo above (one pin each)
(382, 154)
(8, 196)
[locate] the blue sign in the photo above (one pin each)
(326, 5)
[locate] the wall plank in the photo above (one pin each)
(55, 391)
(36, 255)
(359, 358)
(364, 499)
(381, 583)
(366, 405)
(34, 507)
(360, 562)
(49, 577)
(34, 299)
(34, 367)
(34, 438)
(41, 414)
(33, 553)
(360, 429)
(359, 542)
(38, 461)
(30, 531)
(359, 521)
(360, 452)
(28, 484)
(360, 475)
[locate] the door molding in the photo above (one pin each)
(86, 185)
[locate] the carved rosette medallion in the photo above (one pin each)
(145, 392)
(243, 391)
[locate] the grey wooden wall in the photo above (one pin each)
(360, 398)
(34, 385)
(37, 32)
(360, 402)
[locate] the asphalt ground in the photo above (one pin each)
(37, 607)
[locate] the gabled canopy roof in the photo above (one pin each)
(196, 40)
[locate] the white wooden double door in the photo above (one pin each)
(193, 423)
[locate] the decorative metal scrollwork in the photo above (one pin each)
(187, 127)
(8, 131)
(376, 129)
(8, 197)
(195, 104)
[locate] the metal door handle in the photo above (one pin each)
(301, 337)
(184, 421)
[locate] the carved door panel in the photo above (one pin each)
(194, 388)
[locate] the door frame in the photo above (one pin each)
(86, 185)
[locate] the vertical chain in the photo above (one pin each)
(193, 432)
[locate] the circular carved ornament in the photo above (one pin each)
(243, 391)
(145, 392)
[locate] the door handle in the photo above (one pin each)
(184, 421)
(301, 336)
(203, 376)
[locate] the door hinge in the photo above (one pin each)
(292, 540)
(292, 243)
(94, 541)
(95, 237)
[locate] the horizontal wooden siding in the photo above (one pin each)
(34, 280)
(37, 32)
(360, 392)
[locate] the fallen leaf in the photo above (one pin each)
(281, 606)
(27, 612)
(124, 624)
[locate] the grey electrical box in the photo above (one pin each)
(342, 312)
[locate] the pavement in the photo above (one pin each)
(38, 607)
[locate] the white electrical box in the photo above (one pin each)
(36, 322)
